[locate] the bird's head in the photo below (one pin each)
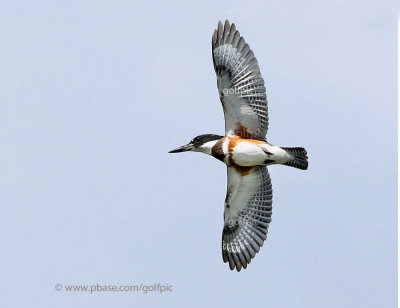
(202, 143)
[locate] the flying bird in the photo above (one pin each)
(244, 149)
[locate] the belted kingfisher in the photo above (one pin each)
(244, 149)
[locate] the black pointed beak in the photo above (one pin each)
(184, 148)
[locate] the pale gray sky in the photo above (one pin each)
(93, 95)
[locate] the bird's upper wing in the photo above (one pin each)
(240, 85)
(248, 209)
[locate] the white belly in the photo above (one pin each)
(248, 154)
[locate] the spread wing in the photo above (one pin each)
(248, 210)
(240, 85)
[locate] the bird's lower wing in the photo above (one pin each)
(248, 209)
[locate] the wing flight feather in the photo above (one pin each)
(248, 210)
(240, 85)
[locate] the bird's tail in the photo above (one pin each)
(300, 160)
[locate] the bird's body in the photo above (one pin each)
(237, 151)
(244, 149)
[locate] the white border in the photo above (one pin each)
(398, 151)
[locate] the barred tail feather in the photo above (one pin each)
(300, 158)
